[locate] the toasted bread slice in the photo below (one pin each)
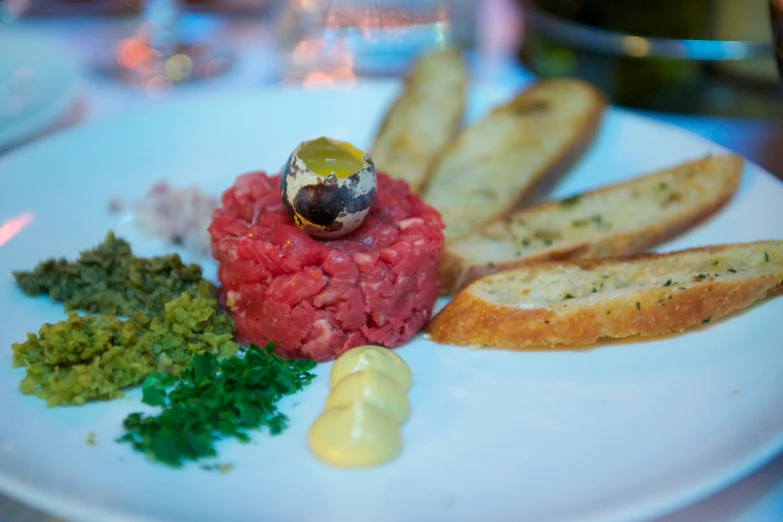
(580, 302)
(626, 218)
(423, 119)
(514, 154)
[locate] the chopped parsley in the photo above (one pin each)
(597, 219)
(491, 265)
(526, 242)
(569, 296)
(212, 399)
(732, 271)
(707, 320)
(595, 290)
(702, 276)
(570, 202)
(715, 263)
(638, 306)
(766, 257)
(668, 283)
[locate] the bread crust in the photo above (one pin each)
(457, 272)
(648, 311)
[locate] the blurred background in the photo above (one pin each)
(706, 65)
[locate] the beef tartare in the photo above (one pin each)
(317, 298)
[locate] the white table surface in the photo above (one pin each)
(757, 498)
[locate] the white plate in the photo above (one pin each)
(621, 432)
(39, 83)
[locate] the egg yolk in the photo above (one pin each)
(375, 358)
(325, 156)
(374, 388)
(355, 435)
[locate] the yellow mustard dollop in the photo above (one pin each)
(375, 358)
(364, 410)
(325, 156)
(374, 388)
(355, 435)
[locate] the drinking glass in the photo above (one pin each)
(341, 38)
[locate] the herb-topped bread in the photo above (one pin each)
(514, 154)
(580, 302)
(625, 218)
(423, 119)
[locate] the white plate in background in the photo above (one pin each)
(622, 432)
(39, 83)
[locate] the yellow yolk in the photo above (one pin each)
(355, 435)
(374, 388)
(375, 358)
(325, 156)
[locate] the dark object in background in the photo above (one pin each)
(776, 16)
(706, 57)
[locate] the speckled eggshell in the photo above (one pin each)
(327, 207)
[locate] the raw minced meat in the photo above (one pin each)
(317, 298)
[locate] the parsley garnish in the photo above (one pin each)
(732, 271)
(597, 219)
(702, 276)
(668, 282)
(569, 296)
(595, 290)
(707, 320)
(638, 306)
(213, 398)
(570, 202)
(766, 257)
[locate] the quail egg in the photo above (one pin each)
(328, 187)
